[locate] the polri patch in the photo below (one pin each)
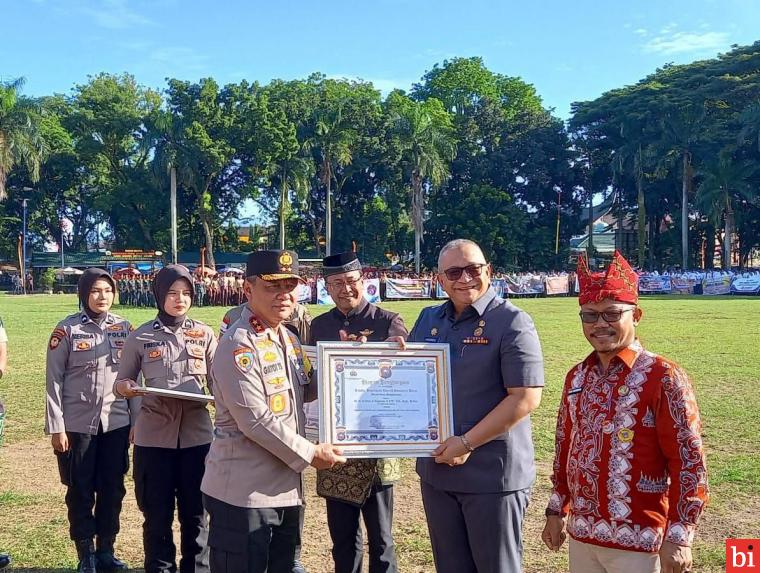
(244, 359)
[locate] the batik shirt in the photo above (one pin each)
(629, 466)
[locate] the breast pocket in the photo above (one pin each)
(196, 359)
(83, 355)
(116, 345)
(154, 364)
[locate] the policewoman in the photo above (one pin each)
(253, 488)
(172, 435)
(89, 426)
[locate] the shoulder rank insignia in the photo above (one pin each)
(256, 324)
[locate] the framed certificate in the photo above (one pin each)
(378, 401)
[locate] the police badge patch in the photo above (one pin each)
(244, 359)
(56, 337)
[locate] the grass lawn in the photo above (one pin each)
(716, 339)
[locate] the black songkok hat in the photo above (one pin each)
(340, 263)
(272, 265)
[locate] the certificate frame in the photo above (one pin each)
(431, 362)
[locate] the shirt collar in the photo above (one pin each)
(354, 311)
(627, 355)
(480, 305)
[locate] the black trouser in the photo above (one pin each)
(252, 540)
(93, 470)
(161, 476)
(346, 533)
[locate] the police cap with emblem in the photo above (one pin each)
(272, 265)
(340, 263)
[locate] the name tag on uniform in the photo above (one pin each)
(431, 339)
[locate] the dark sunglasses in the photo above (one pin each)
(455, 273)
(590, 316)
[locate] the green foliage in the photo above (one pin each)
(47, 278)
(330, 164)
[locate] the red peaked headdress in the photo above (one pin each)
(620, 282)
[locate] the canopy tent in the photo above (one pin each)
(68, 271)
(126, 273)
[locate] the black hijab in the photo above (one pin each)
(163, 280)
(84, 286)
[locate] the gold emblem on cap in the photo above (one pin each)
(433, 331)
(482, 323)
(478, 331)
(286, 260)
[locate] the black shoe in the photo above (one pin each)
(86, 553)
(5, 560)
(105, 560)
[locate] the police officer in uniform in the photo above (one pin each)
(5, 559)
(361, 487)
(89, 426)
(172, 435)
(299, 323)
(476, 487)
(253, 487)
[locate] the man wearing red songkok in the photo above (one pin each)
(630, 480)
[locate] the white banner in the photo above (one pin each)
(407, 288)
(720, 284)
(304, 293)
(649, 284)
(557, 285)
(372, 290)
(323, 297)
(746, 285)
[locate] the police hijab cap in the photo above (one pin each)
(340, 263)
(88, 278)
(273, 265)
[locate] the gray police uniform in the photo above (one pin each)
(172, 438)
(360, 486)
(475, 511)
(299, 322)
(252, 486)
(82, 362)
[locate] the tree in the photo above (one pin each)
(424, 136)
(20, 141)
(725, 183)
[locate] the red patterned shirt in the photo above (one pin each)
(629, 465)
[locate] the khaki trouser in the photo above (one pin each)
(587, 558)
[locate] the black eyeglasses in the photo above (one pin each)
(590, 316)
(455, 273)
(340, 285)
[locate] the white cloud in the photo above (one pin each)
(116, 15)
(687, 42)
(641, 32)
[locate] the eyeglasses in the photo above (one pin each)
(455, 273)
(590, 316)
(351, 283)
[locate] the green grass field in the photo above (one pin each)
(717, 340)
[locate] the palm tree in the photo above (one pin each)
(20, 141)
(334, 140)
(425, 136)
(725, 182)
(682, 130)
(294, 174)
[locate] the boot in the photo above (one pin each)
(5, 560)
(105, 560)
(86, 553)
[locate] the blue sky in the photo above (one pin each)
(569, 50)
